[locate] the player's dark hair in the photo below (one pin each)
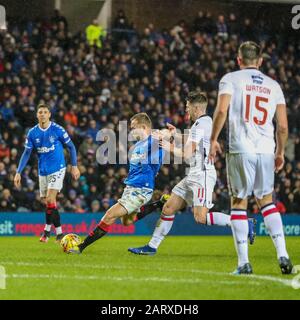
(43, 105)
(142, 118)
(197, 97)
(249, 52)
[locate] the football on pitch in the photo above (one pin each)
(69, 241)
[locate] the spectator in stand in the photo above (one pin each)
(198, 24)
(222, 30)
(280, 206)
(233, 26)
(94, 34)
(95, 206)
(4, 150)
(121, 21)
(7, 202)
(88, 147)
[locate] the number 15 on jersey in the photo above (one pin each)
(255, 109)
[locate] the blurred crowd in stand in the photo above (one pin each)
(91, 85)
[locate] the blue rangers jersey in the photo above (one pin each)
(144, 163)
(49, 146)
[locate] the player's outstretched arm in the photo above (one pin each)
(219, 119)
(74, 171)
(170, 147)
(186, 152)
(22, 164)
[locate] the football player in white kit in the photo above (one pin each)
(251, 99)
(196, 189)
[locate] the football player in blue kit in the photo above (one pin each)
(49, 139)
(145, 161)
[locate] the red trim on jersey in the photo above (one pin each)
(238, 217)
(270, 211)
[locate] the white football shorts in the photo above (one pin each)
(133, 198)
(197, 191)
(52, 181)
(249, 173)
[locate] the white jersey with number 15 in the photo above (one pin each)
(254, 97)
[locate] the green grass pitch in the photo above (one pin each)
(184, 268)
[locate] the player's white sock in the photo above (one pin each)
(163, 227)
(58, 230)
(239, 226)
(47, 227)
(218, 219)
(273, 223)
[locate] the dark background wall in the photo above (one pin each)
(28, 8)
(166, 13)
(163, 13)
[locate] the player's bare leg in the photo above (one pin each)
(129, 219)
(163, 227)
(111, 215)
(48, 218)
(240, 230)
(200, 214)
(273, 222)
(203, 216)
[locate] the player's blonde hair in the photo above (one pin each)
(249, 52)
(143, 119)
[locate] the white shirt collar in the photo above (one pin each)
(45, 128)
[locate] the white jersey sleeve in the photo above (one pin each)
(280, 97)
(225, 85)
